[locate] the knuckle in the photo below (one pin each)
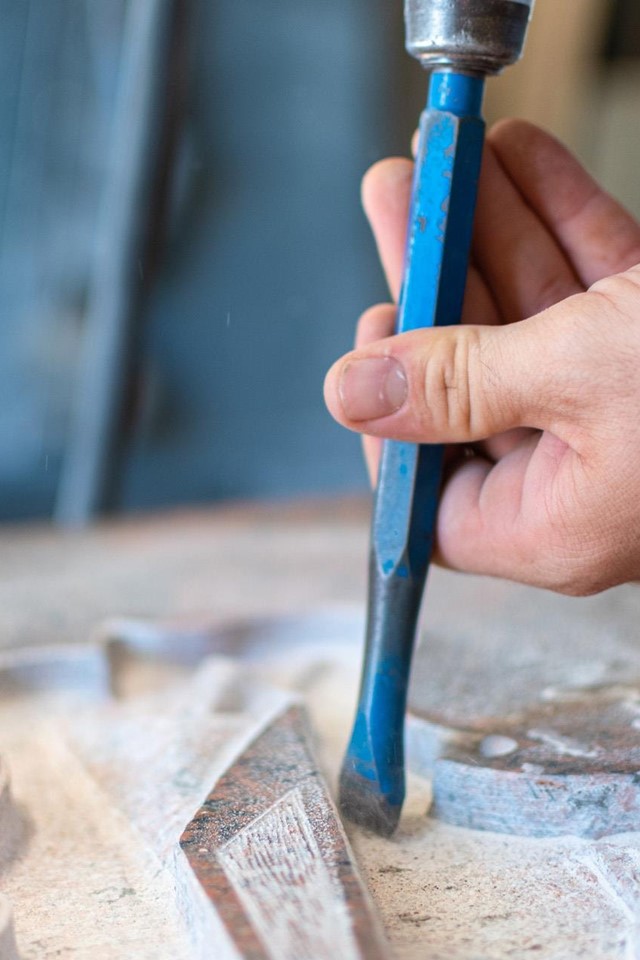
(593, 337)
(448, 381)
(587, 563)
(580, 570)
(607, 332)
(582, 537)
(581, 582)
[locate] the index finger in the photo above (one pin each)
(386, 197)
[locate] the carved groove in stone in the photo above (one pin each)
(268, 848)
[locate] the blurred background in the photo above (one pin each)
(182, 250)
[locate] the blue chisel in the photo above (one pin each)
(462, 42)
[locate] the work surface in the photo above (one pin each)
(55, 587)
(281, 591)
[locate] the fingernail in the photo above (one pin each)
(372, 388)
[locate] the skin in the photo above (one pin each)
(541, 383)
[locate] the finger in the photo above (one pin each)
(479, 303)
(386, 197)
(375, 324)
(500, 446)
(523, 265)
(372, 450)
(459, 384)
(599, 236)
(500, 521)
(479, 527)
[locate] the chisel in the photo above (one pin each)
(461, 42)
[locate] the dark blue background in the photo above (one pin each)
(269, 261)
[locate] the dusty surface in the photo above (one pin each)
(103, 787)
(234, 563)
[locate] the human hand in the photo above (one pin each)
(541, 383)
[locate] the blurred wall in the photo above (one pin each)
(266, 277)
(580, 79)
(58, 70)
(268, 264)
(553, 83)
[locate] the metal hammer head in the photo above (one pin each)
(475, 36)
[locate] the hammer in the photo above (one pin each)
(461, 42)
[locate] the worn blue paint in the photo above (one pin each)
(403, 530)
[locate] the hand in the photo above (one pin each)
(541, 383)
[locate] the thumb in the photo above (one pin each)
(453, 384)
